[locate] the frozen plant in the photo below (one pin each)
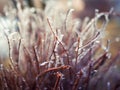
(55, 52)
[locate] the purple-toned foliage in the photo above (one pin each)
(57, 53)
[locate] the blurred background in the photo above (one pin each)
(82, 8)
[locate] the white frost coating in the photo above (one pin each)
(44, 63)
(97, 42)
(59, 35)
(109, 55)
(68, 19)
(63, 36)
(117, 39)
(108, 86)
(14, 36)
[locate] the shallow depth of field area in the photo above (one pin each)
(59, 45)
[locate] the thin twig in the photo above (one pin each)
(11, 61)
(88, 77)
(77, 51)
(36, 59)
(52, 69)
(59, 75)
(77, 81)
(56, 38)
